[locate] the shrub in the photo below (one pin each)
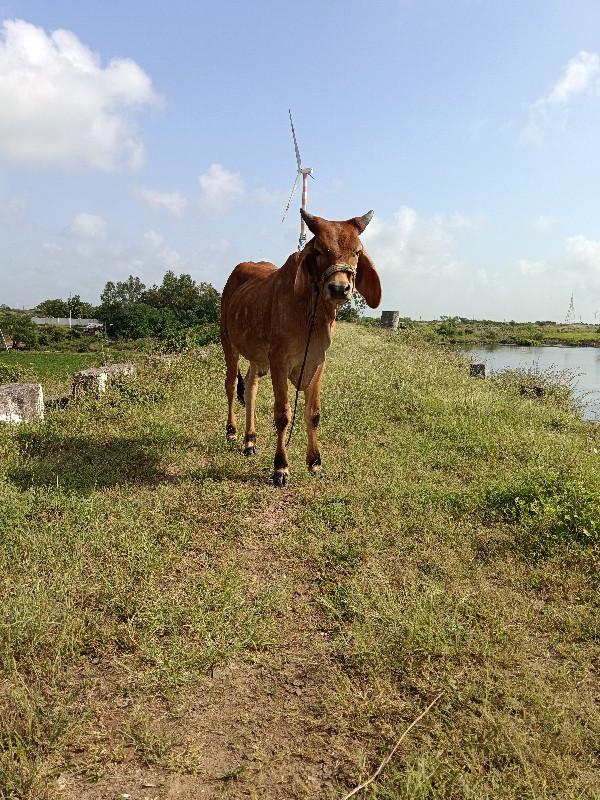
(181, 339)
(553, 510)
(15, 373)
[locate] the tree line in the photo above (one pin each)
(128, 309)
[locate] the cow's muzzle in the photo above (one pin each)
(339, 291)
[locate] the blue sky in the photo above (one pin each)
(138, 137)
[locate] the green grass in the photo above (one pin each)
(452, 547)
(54, 370)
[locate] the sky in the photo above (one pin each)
(139, 137)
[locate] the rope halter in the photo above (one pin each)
(335, 268)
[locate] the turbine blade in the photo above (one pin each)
(294, 187)
(295, 142)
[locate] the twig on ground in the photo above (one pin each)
(388, 758)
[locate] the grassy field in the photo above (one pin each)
(54, 370)
(175, 627)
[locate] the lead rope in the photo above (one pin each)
(310, 331)
(318, 287)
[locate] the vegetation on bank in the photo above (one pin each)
(170, 618)
(460, 330)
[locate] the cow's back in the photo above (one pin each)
(245, 305)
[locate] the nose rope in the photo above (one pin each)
(336, 268)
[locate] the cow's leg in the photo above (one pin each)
(250, 401)
(232, 358)
(282, 414)
(312, 415)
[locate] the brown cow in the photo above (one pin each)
(266, 316)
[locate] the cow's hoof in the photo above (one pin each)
(250, 450)
(280, 479)
(231, 433)
(317, 471)
(232, 437)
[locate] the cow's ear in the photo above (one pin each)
(367, 280)
(303, 279)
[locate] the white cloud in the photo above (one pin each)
(528, 267)
(160, 249)
(580, 74)
(583, 255)
(221, 189)
(172, 202)
(580, 257)
(580, 77)
(412, 245)
(59, 106)
(88, 226)
(542, 224)
(13, 212)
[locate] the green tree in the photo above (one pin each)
(78, 309)
(449, 326)
(122, 292)
(20, 328)
(192, 303)
(53, 308)
(354, 310)
(134, 311)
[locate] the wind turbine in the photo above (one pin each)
(305, 172)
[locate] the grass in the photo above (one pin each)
(169, 614)
(54, 370)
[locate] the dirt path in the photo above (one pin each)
(255, 727)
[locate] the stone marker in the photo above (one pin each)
(390, 319)
(477, 370)
(96, 379)
(21, 402)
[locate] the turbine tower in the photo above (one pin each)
(305, 172)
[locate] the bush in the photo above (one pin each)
(553, 510)
(180, 339)
(15, 373)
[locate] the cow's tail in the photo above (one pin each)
(240, 388)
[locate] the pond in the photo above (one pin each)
(583, 363)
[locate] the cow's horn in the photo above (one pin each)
(362, 222)
(310, 220)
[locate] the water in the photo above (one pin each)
(583, 363)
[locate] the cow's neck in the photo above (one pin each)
(325, 322)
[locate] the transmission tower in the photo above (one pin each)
(570, 318)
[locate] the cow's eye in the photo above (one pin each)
(358, 252)
(318, 252)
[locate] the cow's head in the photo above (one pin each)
(336, 262)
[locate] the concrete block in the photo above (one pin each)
(21, 402)
(90, 380)
(390, 319)
(127, 370)
(96, 379)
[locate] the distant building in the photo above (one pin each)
(89, 325)
(74, 322)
